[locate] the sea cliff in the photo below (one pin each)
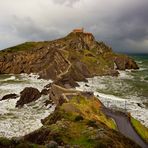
(78, 120)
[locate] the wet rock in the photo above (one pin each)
(124, 62)
(87, 85)
(28, 95)
(47, 102)
(48, 86)
(140, 105)
(45, 91)
(9, 96)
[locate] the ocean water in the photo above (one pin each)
(127, 92)
(15, 122)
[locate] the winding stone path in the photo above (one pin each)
(66, 71)
(125, 127)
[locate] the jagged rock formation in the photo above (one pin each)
(78, 122)
(74, 57)
(28, 95)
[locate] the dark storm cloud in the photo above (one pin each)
(134, 24)
(28, 29)
(126, 31)
(123, 24)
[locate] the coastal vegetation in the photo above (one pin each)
(141, 129)
(78, 119)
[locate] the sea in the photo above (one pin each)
(128, 92)
(16, 122)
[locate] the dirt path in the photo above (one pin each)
(66, 71)
(125, 127)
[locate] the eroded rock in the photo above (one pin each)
(28, 95)
(124, 62)
(78, 55)
(9, 96)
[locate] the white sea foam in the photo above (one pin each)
(112, 101)
(139, 62)
(125, 74)
(10, 78)
(16, 122)
(142, 69)
(24, 81)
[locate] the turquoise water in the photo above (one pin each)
(140, 77)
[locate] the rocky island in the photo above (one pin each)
(80, 120)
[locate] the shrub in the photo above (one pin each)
(78, 118)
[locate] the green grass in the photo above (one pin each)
(83, 141)
(24, 46)
(88, 109)
(141, 129)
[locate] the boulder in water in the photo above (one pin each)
(9, 96)
(28, 95)
(124, 62)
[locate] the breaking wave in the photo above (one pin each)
(15, 122)
(127, 92)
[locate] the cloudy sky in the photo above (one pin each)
(123, 24)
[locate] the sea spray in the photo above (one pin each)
(128, 91)
(15, 122)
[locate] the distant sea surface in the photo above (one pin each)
(128, 91)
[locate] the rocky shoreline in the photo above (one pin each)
(78, 120)
(78, 115)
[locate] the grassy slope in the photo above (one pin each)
(141, 129)
(77, 115)
(24, 46)
(96, 64)
(90, 109)
(77, 122)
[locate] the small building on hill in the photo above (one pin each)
(81, 30)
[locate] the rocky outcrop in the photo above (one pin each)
(58, 94)
(78, 55)
(124, 62)
(78, 122)
(28, 95)
(9, 96)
